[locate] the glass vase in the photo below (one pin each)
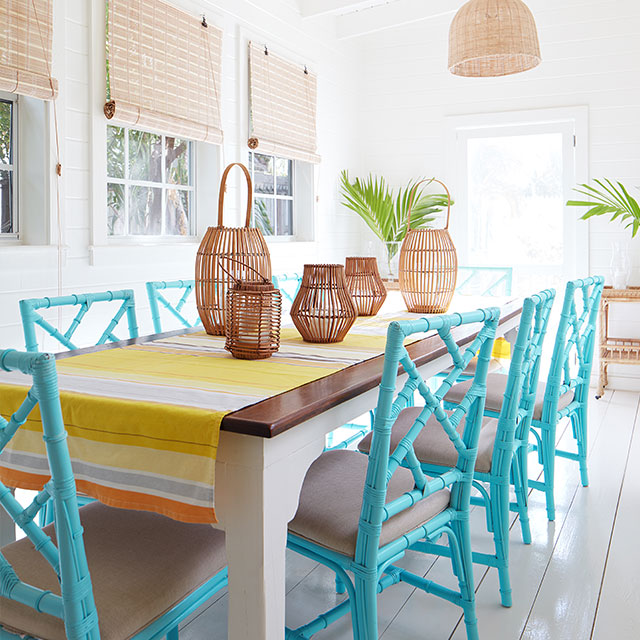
(620, 265)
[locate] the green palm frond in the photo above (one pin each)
(609, 199)
(386, 214)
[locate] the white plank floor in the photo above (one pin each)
(579, 579)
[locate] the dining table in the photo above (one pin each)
(229, 443)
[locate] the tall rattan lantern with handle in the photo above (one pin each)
(428, 264)
(245, 245)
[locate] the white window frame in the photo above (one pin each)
(13, 168)
(571, 121)
(163, 185)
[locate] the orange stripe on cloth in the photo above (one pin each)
(118, 498)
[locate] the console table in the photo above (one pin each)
(616, 350)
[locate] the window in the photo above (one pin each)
(273, 188)
(150, 186)
(8, 164)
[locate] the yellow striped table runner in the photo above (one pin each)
(144, 420)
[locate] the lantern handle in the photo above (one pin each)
(246, 266)
(223, 187)
(413, 195)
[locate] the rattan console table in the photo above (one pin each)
(616, 350)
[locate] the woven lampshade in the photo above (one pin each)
(493, 38)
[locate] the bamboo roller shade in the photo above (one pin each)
(163, 70)
(25, 48)
(282, 106)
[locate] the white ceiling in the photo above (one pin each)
(360, 17)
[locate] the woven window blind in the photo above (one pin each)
(25, 48)
(282, 106)
(163, 70)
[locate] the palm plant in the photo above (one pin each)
(385, 213)
(609, 199)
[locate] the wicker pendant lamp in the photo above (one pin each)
(491, 38)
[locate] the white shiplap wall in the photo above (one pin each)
(591, 56)
(78, 44)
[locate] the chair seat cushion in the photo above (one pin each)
(432, 446)
(331, 500)
(496, 386)
(141, 565)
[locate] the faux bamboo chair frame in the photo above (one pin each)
(500, 282)
(30, 316)
(371, 565)
(76, 605)
(510, 447)
(575, 339)
(284, 282)
(175, 309)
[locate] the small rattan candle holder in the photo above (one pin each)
(428, 266)
(323, 310)
(254, 311)
(365, 285)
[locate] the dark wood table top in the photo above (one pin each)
(277, 414)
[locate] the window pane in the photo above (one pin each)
(178, 213)
(6, 202)
(177, 161)
(145, 211)
(145, 156)
(516, 205)
(285, 218)
(6, 112)
(115, 210)
(263, 216)
(262, 173)
(283, 177)
(115, 152)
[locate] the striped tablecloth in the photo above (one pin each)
(144, 420)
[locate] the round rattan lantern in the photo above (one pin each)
(323, 310)
(254, 311)
(428, 266)
(245, 244)
(365, 284)
(491, 38)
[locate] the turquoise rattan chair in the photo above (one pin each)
(566, 392)
(360, 514)
(484, 281)
(289, 284)
(30, 316)
(174, 309)
(101, 572)
(502, 435)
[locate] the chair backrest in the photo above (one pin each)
(484, 281)
(175, 309)
(289, 284)
(30, 316)
(76, 605)
(522, 378)
(572, 358)
(383, 463)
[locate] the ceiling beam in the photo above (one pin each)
(313, 8)
(393, 14)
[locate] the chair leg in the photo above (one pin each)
(549, 467)
(579, 420)
(520, 469)
(500, 512)
(365, 625)
(463, 568)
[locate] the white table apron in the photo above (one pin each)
(258, 482)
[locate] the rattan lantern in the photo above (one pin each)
(428, 266)
(323, 310)
(254, 310)
(365, 284)
(491, 38)
(245, 244)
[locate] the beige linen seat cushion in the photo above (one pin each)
(432, 446)
(141, 565)
(331, 500)
(496, 386)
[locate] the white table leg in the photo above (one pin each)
(258, 485)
